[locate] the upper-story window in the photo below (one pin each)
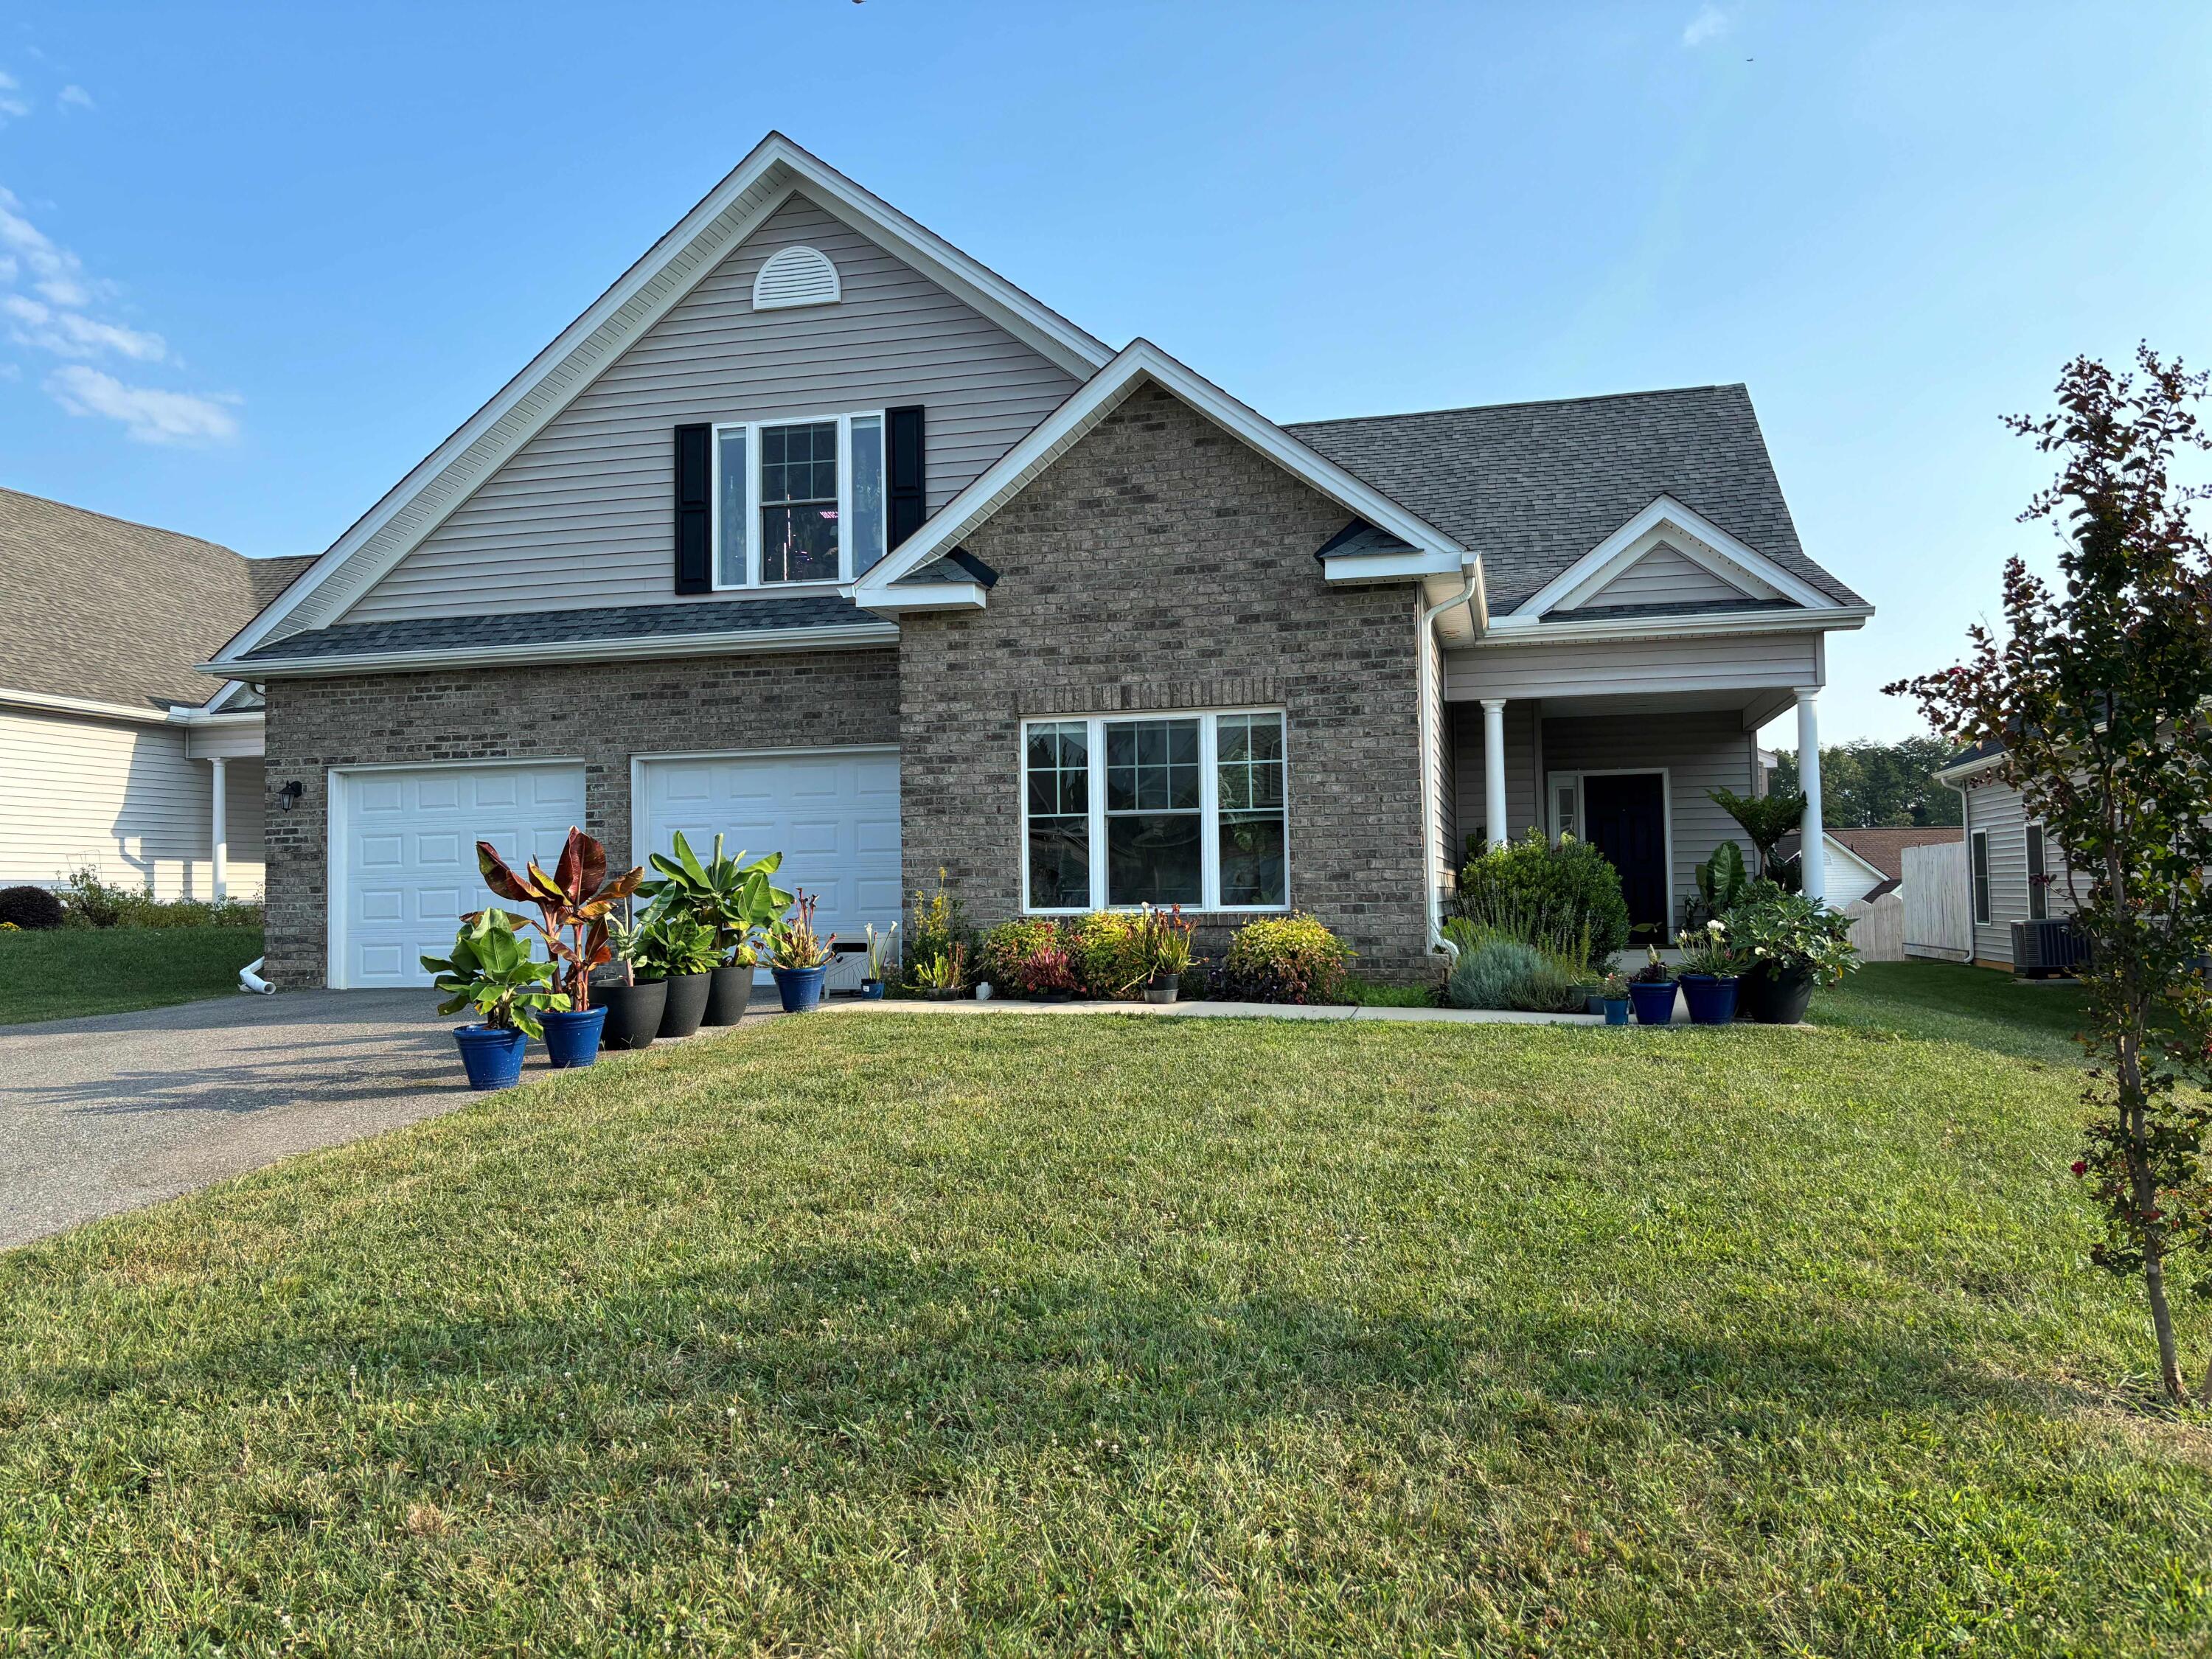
(798, 501)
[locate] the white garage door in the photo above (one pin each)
(403, 856)
(833, 814)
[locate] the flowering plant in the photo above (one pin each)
(1709, 950)
(1785, 933)
(1652, 972)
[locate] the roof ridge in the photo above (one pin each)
(131, 523)
(1523, 402)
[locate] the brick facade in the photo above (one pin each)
(1161, 564)
(601, 714)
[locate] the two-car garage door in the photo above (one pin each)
(403, 841)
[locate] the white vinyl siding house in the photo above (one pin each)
(1996, 821)
(579, 516)
(126, 799)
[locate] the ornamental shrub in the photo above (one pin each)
(1106, 948)
(30, 908)
(1548, 894)
(1290, 958)
(1774, 929)
(1509, 974)
(1009, 948)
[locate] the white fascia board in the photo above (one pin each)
(776, 165)
(1390, 567)
(1522, 629)
(1959, 771)
(48, 703)
(911, 597)
(1091, 402)
(1666, 510)
(725, 642)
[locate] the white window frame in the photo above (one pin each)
(752, 430)
(1209, 806)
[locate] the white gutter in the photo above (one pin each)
(1518, 630)
(177, 714)
(636, 647)
(1431, 828)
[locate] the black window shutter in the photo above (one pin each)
(695, 509)
(910, 474)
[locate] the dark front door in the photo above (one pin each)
(1625, 815)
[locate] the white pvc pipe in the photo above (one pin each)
(249, 979)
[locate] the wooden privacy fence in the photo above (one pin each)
(1938, 919)
(1878, 928)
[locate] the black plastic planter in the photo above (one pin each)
(1777, 998)
(687, 1004)
(729, 993)
(633, 1012)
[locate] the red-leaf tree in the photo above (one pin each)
(573, 903)
(2097, 695)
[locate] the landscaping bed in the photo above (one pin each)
(65, 971)
(1099, 1334)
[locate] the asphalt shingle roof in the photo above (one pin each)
(1533, 487)
(551, 627)
(113, 611)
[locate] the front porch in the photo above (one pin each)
(1629, 771)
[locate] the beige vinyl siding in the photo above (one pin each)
(1637, 667)
(1521, 784)
(123, 798)
(580, 515)
(1698, 752)
(1665, 576)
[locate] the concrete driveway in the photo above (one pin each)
(119, 1110)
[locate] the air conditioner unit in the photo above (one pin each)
(2051, 946)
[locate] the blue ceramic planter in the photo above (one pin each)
(1615, 1010)
(1654, 1004)
(799, 987)
(491, 1056)
(1712, 1001)
(572, 1039)
(873, 989)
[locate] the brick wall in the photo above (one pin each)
(601, 714)
(1161, 564)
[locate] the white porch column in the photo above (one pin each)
(1814, 856)
(1493, 770)
(219, 825)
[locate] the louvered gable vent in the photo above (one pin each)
(797, 276)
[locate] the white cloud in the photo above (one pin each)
(76, 97)
(148, 414)
(1710, 24)
(12, 101)
(68, 334)
(55, 272)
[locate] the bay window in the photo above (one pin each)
(798, 501)
(1167, 809)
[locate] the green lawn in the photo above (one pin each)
(892, 1331)
(106, 970)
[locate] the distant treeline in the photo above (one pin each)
(1873, 786)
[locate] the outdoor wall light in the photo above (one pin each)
(288, 796)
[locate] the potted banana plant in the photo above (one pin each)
(676, 949)
(492, 971)
(734, 898)
(573, 903)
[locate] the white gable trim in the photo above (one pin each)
(775, 170)
(1665, 538)
(1691, 534)
(1139, 361)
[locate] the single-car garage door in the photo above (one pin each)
(403, 856)
(834, 815)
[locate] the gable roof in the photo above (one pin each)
(107, 611)
(1533, 487)
(1139, 363)
(753, 189)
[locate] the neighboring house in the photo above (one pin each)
(814, 531)
(112, 755)
(2012, 873)
(1865, 864)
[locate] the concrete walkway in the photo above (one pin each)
(108, 1113)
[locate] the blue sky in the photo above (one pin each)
(260, 259)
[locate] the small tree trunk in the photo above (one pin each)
(2143, 1191)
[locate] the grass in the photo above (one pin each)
(1368, 993)
(891, 1332)
(107, 970)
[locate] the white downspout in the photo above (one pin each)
(249, 979)
(1431, 830)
